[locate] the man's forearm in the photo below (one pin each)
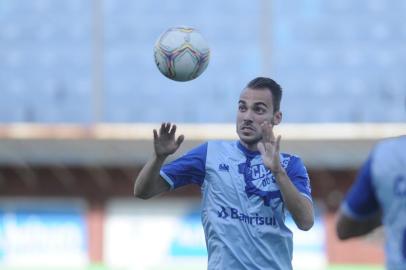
(300, 208)
(149, 182)
(348, 227)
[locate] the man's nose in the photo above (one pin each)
(248, 116)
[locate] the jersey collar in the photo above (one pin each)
(246, 151)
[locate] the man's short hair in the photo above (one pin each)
(274, 87)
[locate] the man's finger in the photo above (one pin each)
(261, 148)
(155, 135)
(173, 130)
(268, 134)
(167, 127)
(278, 143)
(268, 146)
(162, 129)
(271, 133)
(180, 140)
(265, 133)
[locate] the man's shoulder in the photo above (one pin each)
(391, 143)
(291, 162)
(290, 157)
(389, 148)
(388, 156)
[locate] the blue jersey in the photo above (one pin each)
(381, 186)
(243, 212)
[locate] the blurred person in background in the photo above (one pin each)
(247, 185)
(378, 196)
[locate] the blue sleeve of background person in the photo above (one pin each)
(360, 201)
(298, 174)
(188, 169)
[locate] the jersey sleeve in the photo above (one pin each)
(298, 175)
(188, 169)
(361, 202)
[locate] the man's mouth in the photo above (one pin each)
(247, 128)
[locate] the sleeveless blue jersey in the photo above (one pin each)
(243, 213)
(381, 186)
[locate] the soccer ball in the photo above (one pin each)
(181, 53)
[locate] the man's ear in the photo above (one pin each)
(277, 118)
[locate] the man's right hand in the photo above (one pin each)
(165, 143)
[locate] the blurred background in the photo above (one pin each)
(80, 95)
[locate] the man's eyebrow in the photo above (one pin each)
(261, 103)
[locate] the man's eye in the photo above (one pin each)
(241, 108)
(259, 110)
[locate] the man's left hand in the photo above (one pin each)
(269, 148)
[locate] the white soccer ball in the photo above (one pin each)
(181, 53)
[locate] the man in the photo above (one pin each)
(246, 185)
(379, 196)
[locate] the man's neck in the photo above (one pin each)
(252, 147)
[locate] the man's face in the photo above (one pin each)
(254, 107)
